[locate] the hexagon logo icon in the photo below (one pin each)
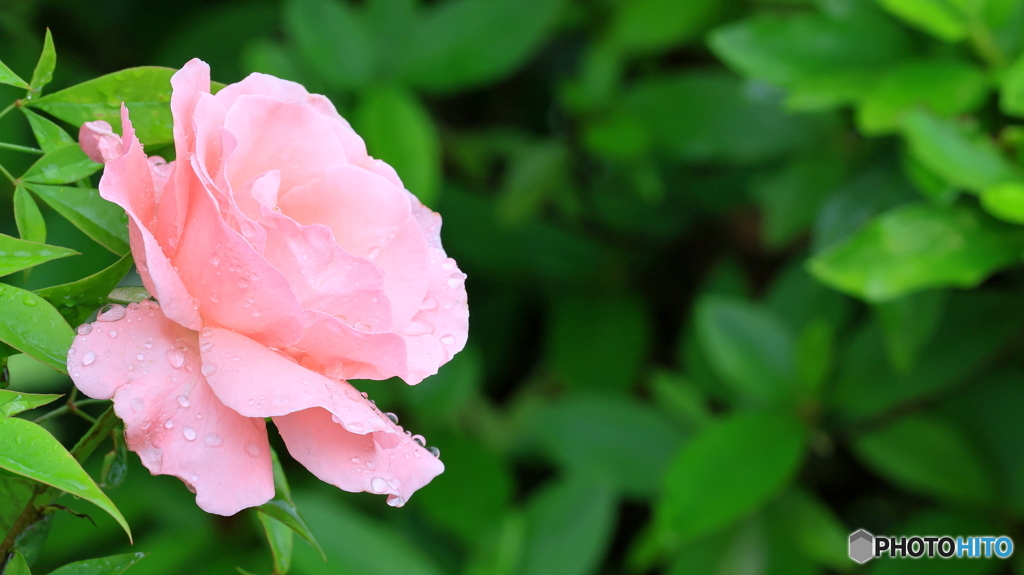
(861, 546)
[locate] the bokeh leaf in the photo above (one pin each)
(916, 247)
(30, 451)
(733, 467)
(568, 526)
(651, 25)
(334, 38)
(938, 18)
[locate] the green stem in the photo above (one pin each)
(18, 148)
(8, 108)
(8, 175)
(66, 408)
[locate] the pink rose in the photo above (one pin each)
(285, 260)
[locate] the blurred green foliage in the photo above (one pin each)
(744, 276)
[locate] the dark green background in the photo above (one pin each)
(654, 381)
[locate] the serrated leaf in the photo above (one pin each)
(7, 76)
(99, 219)
(43, 72)
(288, 515)
(31, 325)
(18, 254)
(113, 565)
(63, 165)
(916, 247)
(146, 91)
(733, 467)
(28, 218)
(30, 451)
(77, 300)
(49, 135)
(14, 402)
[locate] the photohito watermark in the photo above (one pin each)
(864, 546)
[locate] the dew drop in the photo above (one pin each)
(169, 423)
(374, 253)
(371, 465)
(212, 440)
(429, 303)
(378, 484)
(420, 440)
(392, 417)
(448, 340)
(206, 346)
(137, 404)
(448, 265)
(183, 401)
(434, 451)
(71, 351)
(88, 358)
(243, 283)
(456, 279)
(195, 478)
(85, 329)
(140, 357)
(112, 333)
(355, 460)
(448, 305)
(188, 432)
(252, 449)
(148, 345)
(181, 344)
(209, 369)
(111, 312)
(362, 326)
(175, 358)
(207, 332)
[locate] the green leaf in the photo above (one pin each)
(113, 565)
(145, 90)
(43, 72)
(17, 565)
(281, 539)
(968, 160)
(77, 300)
(1011, 91)
(398, 130)
(99, 219)
(18, 254)
(334, 39)
(909, 322)
(288, 515)
(128, 295)
(617, 440)
(31, 325)
(749, 348)
(30, 451)
(465, 43)
(1005, 201)
(14, 402)
(916, 247)
(812, 528)
(790, 197)
(568, 526)
(652, 25)
(62, 166)
(15, 493)
(731, 469)
(10, 78)
(115, 464)
(789, 50)
(937, 17)
(96, 435)
(713, 116)
(536, 172)
(598, 343)
(49, 135)
(814, 354)
(916, 453)
(945, 87)
(28, 218)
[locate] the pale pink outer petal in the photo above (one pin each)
(371, 218)
(128, 182)
(272, 135)
(356, 462)
(172, 418)
(324, 276)
(347, 353)
(99, 142)
(233, 285)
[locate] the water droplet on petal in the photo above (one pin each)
(212, 440)
(188, 432)
(448, 340)
(181, 344)
(111, 312)
(456, 279)
(419, 439)
(448, 305)
(362, 326)
(355, 460)
(169, 423)
(88, 358)
(252, 449)
(140, 357)
(396, 501)
(392, 417)
(112, 333)
(195, 478)
(378, 484)
(206, 346)
(175, 358)
(207, 332)
(429, 303)
(183, 401)
(371, 465)
(434, 451)
(137, 404)
(85, 329)
(209, 369)
(374, 253)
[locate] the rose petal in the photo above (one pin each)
(233, 285)
(371, 218)
(272, 135)
(356, 462)
(99, 142)
(345, 352)
(127, 181)
(172, 418)
(323, 275)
